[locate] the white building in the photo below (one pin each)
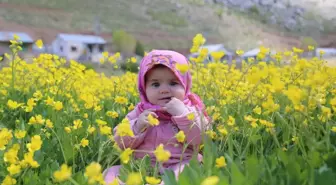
(79, 47)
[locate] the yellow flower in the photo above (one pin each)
(297, 50)
(180, 137)
(212, 180)
(121, 100)
(217, 55)
(31, 102)
(14, 169)
(77, 124)
(239, 52)
(91, 129)
(38, 95)
(220, 162)
(125, 155)
(35, 143)
(101, 122)
(134, 179)
(231, 121)
(39, 43)
(16, 37)
(67, 129)
(152, 180)
(295, 139)
(333, 129)
(222, 130)
(13, 104)
(133, 60)
(11, 155)
(124, 128)
(152, 121)
(29, 160)
(311, 48)
(257, 110)
(131, 107)
(38, 119)
(114, 182)
(161, 154)
(322, 52)
(49, 101)
(93, 173)
(198, 41)
(84, 142)
(19, 134)
(8, 181)
(102, 60)
(49, 124)
(191, 116)
(211, 134)
(105, 130)
(112, 114)
(183, 68)
(105, 54)
(63, 174)
(58, 105)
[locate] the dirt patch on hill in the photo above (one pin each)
(31, 8)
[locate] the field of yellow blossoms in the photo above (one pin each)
(273, 122)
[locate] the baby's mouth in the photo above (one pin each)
(166, 98)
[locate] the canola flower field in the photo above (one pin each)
(273, 123)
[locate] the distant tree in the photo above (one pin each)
(309, 41)
(124, 42)
(139, 49)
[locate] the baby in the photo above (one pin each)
(165, 93)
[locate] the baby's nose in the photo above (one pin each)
(164, 90)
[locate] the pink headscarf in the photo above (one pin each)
(169, 59)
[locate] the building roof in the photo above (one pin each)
(254, 52)
(87, 39)
(8, 35)
(212, 48)
(217, 47)
(327, 51)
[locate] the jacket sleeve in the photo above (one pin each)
(128, 141)
(192, 128)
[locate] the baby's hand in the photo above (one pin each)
(142, 121)
(175, 107)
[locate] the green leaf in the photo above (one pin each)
(326, 177)
(209, 151)
(168, 177)
(186, 177)
(253, 169)
(282, 156)
(255, 138)
(223, 181)
(314, 158)
(237, 176)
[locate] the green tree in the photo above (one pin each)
(124, 42)
(139, 49)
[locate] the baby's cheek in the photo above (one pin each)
(180, 93)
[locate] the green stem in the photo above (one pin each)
(73, 181)
(60, 145)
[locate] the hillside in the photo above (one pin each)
(169, 24)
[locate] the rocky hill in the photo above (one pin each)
(296, 15)
(171, 24)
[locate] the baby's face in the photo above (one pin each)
(161, 85)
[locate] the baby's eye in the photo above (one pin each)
(155, 84)
(173, 83)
